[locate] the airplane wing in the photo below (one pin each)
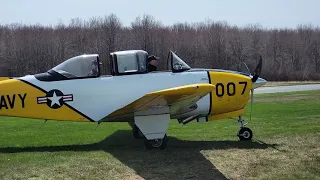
(174, 98)
(3, 78)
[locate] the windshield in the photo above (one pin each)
(177, 64)
(79, 67)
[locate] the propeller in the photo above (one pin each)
(257, 71)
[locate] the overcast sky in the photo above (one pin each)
(268, 13)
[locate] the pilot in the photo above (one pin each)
(95, 69)
(152, 63)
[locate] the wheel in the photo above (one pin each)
(137, 133)
(156, 143)
(245, 134)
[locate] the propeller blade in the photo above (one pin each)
(257, 71)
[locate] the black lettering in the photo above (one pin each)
(233, 87)
(22, 99)
(245, 86)
(3, 102)
(222, 90)
(11, 102)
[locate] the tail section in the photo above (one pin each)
(19, 98)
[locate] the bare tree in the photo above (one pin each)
(289, 54)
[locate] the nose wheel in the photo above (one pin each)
(244, 133)
(156, 143)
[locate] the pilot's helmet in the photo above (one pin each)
(152, 57)
(95, 62)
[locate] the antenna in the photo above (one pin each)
(97, 125)
(43, 123)
(246, 66)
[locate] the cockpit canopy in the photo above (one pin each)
(82, 66)
(176, 64)
(121, 63)
(135, 62)
(128, 62)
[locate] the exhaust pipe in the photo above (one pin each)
(188, 119)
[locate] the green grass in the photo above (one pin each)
(286, 129)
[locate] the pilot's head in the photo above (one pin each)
(152, 63)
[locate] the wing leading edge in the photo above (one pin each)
(175, 98)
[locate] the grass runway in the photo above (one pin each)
(285, 145)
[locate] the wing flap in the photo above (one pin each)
(176, 98)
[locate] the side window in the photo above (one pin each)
(142, 62)
(127, 64)
(178, 65)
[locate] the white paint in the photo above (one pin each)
(99, 97)
(55, 99)
(153, 126)
(259, 82)
(202, 119)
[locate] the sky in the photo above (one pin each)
(267, 13)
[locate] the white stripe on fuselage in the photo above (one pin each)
(98, 97)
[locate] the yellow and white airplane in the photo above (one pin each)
(76, 91)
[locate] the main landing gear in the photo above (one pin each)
(244, 133)
(156, 143)
(137, 134)
(149, 144)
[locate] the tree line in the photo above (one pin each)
(288, 54)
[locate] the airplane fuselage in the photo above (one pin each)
(95, 99)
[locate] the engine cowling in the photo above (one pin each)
(232, 92)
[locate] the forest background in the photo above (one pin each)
(288, 54)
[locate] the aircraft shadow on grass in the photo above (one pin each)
(181, 159)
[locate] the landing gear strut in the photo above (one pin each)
(156, 143)
(244, 133)
(136, 131)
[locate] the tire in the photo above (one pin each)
(164, 142)
(156, 143)
(137, 133)
(147, 144)
(245, 134)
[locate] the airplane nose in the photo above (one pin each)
(260, 82)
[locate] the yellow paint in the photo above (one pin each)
(181, 94)
(236, 99)
(3, 78)
(226, 115)
(31, 109)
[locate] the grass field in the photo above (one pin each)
(286, 129)
(289, 83)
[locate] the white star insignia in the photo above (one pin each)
(55, 99)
